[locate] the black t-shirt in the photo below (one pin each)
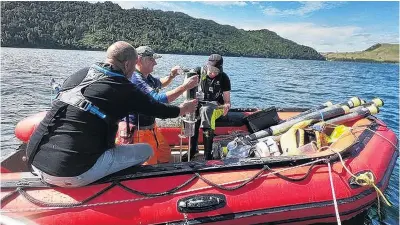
(213, 88)
(76, 139)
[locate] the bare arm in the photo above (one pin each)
(145, 104)
(187, 85)
(227, 101)
(175, 93)
(165, 81)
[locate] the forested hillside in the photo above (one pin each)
(83, 25)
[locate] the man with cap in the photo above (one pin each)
(216, 86)
(147, 131)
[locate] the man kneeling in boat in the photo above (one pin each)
(147, 131)
(216, 86)
(74, 145)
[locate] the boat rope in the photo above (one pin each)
(380, 135)
(334, 195)
(63, 205)
(169, 192)
(8, 196)
(222, 187)
(366, 178)
(55, 206)
(261, 176)
(258, 174)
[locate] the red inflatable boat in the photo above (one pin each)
(300, 189)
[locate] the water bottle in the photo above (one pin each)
(241, 151)
(237, 150)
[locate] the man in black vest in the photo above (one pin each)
(74, 145)
(216, 86)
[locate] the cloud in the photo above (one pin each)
(329, 38)
(305, 9)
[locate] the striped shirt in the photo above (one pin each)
(150, 86)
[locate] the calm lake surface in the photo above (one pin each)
(256, 82)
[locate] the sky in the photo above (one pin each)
(325, 26)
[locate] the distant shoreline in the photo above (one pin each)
(160, 52)
(361, 60)
(378, 53)
(328, 56)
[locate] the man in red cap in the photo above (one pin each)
(216, 86)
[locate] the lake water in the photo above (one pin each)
(256, 82)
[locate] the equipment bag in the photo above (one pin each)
(262, 119)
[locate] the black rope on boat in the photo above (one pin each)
(171, 191)
(38, 202)
(7, 197)
(265, 168)
(235, 187)
(35, 201)
(292, 179)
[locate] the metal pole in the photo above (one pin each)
(188, 150)
(181, 144)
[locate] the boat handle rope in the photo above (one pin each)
(169, 192)
(366, 179)
(258, 174)
(52, 206)
(38, 202)
(362, 179)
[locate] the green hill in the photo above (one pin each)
(83, 25)
(376, 53)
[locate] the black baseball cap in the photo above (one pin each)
(215, 60)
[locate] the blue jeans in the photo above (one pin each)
(111, 161)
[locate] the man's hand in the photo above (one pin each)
(175, 71)
(188, 107)
(191, 82)
(226, 106)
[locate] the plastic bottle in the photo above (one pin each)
(241, 151)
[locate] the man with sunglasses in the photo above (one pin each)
(216, 86)
(142, 78)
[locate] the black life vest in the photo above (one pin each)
(73, 97)
(212, 87)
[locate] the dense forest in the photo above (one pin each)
(84, 25)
